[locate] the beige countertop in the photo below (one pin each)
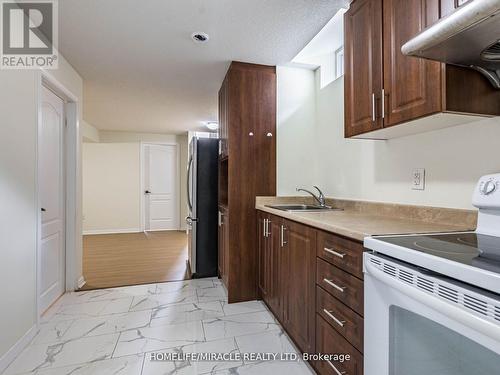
(361, 219)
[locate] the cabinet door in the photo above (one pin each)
(413, 86)
(265, 135)
(275, 297)
(363, 67)
(265, 261)
(299, 282)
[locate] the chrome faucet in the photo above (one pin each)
(320, 198)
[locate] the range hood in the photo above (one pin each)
(468, 37)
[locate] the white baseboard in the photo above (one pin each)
(112, 231)
(81, 282)
(162, 230)
(17, 348)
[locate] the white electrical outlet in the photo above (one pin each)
(418, 179)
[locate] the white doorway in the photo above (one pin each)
(160, 174)
(52, 257)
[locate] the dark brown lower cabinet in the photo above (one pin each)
(328, 341)
(269, 262)
(312, 282)
(298, 275)
(287, 256)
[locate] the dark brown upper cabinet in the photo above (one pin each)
(363, 66)
(412, 87)
(384, 88)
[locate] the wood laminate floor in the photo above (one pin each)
(111, 260)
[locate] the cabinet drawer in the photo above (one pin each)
(340, 284)
(328, 341)
(341, 252)
(341, 318)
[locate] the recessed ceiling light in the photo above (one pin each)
(200, 37)
(212, 125)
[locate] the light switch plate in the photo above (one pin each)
(418, 179)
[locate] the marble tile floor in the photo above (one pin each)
(118, 330)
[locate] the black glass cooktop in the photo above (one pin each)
(469, 248)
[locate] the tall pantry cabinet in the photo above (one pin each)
(247, 168)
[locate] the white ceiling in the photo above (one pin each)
(142, 72)
(328, 40)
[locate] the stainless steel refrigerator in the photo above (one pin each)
(202, 196)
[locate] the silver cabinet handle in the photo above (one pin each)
(283, 242)
(333, 252)
(264, 227)
(338, 321)
(373, 107)
(339, 288)
(383, 103)
(269, 134)
(267, 228)
(335, 368)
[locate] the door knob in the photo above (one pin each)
(147, 192)
(43, 209)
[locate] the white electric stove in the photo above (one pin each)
(432, 301)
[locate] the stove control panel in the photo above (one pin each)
(487, 192)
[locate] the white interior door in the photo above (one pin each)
(51, 194)
(160, 187)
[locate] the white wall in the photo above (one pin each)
(454, 158)
(18, 201)
(112, 181)
(111, 187)
(18, 221)
(296, 114)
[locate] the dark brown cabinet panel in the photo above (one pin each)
(299, 253)
(412, 86)
(328, 341)
(270, 262)
(343, 286)
(344, 320)
(276, 298)
(265, 261)
(363, 67)
(247, 111)
(341, 252)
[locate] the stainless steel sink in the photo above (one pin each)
(303, 208)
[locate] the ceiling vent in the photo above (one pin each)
(200, 37)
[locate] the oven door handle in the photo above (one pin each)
(483, 326)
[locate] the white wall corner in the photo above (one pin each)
(17, 348)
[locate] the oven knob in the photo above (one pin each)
(489, 187)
